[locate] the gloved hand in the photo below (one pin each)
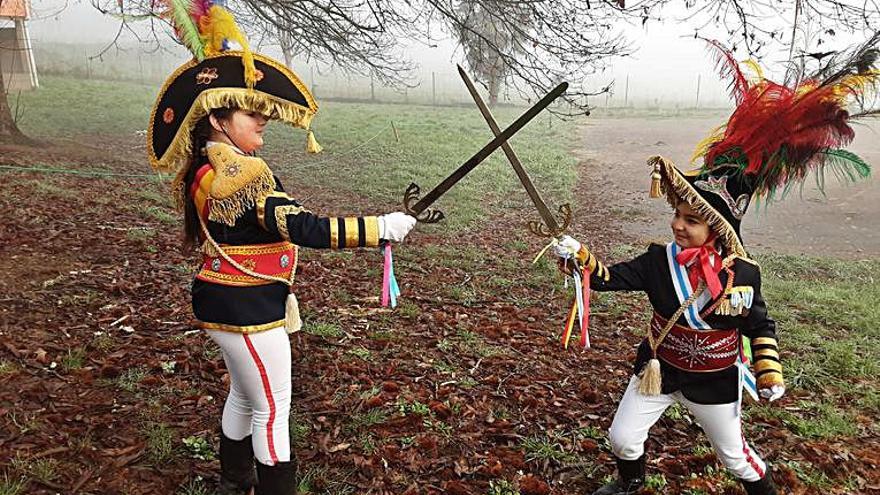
(395, 226)
(772, 393)
(567, 247)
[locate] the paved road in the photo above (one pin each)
(845, 223)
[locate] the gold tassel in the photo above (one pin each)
(655, 182)
(292, 321)
(312, 145)
(649, 378)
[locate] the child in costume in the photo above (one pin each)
(207, 123)
(704, 289)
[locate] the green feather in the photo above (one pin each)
(186, 28)
(845, 165)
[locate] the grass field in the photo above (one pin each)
(364, 153)
(826, 310)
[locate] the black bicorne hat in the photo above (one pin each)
(720, 195)
(196, 88)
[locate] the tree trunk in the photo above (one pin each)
(286, 49)
(494, 88)
(9, 132)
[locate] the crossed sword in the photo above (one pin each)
(418, 207)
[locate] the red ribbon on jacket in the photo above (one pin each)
(705, 267)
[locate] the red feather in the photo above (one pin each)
(780, 134)
(200, 9)
(729, 67)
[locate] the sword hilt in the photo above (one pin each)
(541, 229)
(410, 206)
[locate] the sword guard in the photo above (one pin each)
(564, 220)
(411, 197)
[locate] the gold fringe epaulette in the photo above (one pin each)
(239, 182)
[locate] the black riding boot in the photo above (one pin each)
(763, 486)
(279, 479)
(631, 477)
(237, 475)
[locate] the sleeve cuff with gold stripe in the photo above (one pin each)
(352, 232)
(592, 264)
(768, 368)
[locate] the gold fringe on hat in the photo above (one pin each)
(678, 189)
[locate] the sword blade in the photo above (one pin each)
(543, 210)
(487, 150)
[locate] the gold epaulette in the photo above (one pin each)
(239, 181)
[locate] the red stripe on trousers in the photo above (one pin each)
(750, 459)
(268, 390)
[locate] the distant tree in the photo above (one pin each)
(485, 37)
(543, 41)
(531, 44)
(9, 132)
(802, 26)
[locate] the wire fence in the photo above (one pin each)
(433, 87)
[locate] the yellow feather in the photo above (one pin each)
(219, 25)
(702, 148)
(757, 73)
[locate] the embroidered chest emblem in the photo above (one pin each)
(207, 75)
(718, 185)
(698, 350)
(231, 170)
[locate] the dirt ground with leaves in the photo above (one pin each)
(106, 388)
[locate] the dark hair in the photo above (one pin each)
(199, 136)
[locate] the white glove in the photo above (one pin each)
(567, 247)
(772, 393)
(394, 226)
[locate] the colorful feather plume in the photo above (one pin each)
(218, 29)
(206, 28)
(186, 28)
(779, 134)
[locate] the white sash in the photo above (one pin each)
(683, 289)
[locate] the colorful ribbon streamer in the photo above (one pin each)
(747, 379)
(580, 309)
(390, 289)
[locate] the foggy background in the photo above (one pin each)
(667, 70)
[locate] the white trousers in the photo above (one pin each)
(259, 392)
(722, 424)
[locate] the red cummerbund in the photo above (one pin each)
(276, 259)
(696, 350)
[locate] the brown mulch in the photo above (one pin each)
(91, 289)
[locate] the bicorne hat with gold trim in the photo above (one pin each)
(223, 73)
(776, 136)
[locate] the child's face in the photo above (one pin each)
(244, 129)
(688, 226)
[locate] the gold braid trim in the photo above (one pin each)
(281, 213)
(205, 325)
(371, 227)
(678, 189)
(261, 205)
(764, 341)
